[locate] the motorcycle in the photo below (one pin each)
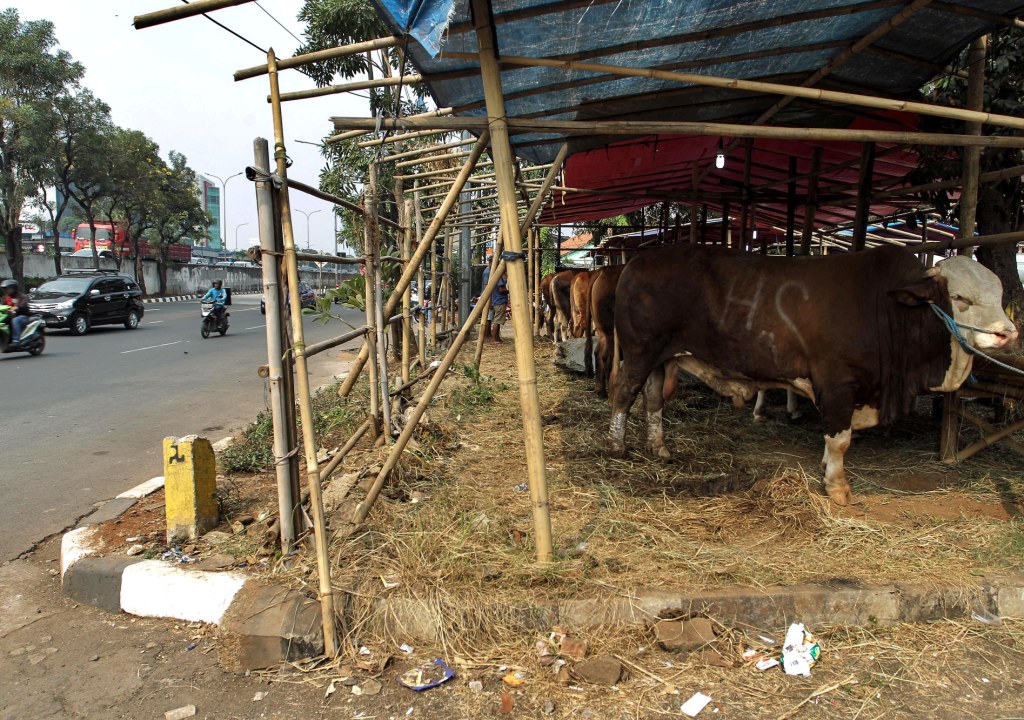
(33, 337)
(210, 320)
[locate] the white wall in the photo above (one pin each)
(181, 279)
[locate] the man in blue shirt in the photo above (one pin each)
(499, 306)
(218, 297)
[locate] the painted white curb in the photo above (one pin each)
(143, 489)
(153, 588)
(77, 544)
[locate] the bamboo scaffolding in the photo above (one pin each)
(504, 165)
(417, 257)
(971, 156)
(319, 56)
(399, 138)
(302, 376)
(447, 171)
(421, 336)
(363, 509)
(628, 127)
(433, 159)
(318, 193)
(351, 87)
(406, 294)
(422, 151)
(440, 112)
(179, 12)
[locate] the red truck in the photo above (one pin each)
(117, 243)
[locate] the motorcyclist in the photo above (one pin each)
(18, 301)
(219, 297)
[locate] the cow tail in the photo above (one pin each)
(614, 371)
(671, 383)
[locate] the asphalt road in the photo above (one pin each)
(85, 420)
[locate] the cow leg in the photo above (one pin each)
(627, 385)
(601, 366)
(759, 413)
(792, 405)
(654, 402)
(836, 485)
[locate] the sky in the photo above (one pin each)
(174, 83)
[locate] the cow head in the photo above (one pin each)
(976, 296)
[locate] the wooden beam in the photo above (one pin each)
(867, 174)
(975, 100)
(640, 128)
(319, 56)
(811, 206)
(351, 87)
(180, 12)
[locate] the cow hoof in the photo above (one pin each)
(661, 451)
(616, 449)
(759, 419)
(840, 496)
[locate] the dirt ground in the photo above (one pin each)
(739, 504)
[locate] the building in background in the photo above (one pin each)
(209, 196)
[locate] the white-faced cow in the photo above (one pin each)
(853, 332)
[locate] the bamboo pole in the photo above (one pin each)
(382, 334)
(867, 176)
(423, 151)
(972, 155)
(505, 170)
(417, 256)
(179, 12)
(399, 138)
(302, 376)
(286, 501)
(351, 87)
(626, 127)
(433, 300)
(406, 294)
(807, 93)
(440, 112)
(421, 337)
(319, 56)
(811, 206)
(363, 509)
(369, 297)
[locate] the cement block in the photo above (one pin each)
(109, 511)
(190, 487)
(268, 625)
(96, 581)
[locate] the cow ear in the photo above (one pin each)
(919, 293)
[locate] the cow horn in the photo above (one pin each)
(933, 271)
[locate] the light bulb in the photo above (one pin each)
(755, 235)
(720, 160)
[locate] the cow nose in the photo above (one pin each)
(1005, 335)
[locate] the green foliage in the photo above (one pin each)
(254, 452)
(468, 398)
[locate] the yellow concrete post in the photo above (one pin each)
(190, 486)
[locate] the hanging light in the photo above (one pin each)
(720, 157)
(754, 235)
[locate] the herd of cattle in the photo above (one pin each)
(859, 334)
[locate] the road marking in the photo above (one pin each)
(257, 327)
(125, 352)
(154, 322)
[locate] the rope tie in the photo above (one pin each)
(954, 329)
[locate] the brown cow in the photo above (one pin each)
(561, 286)
(546, 315)
(579, 303)
(602, 311)
(853, 332)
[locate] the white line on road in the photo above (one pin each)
(125, 352)
(256, 328)
(155, 322)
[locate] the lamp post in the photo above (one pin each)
(236, 234)
(307, 214)
(223, 204)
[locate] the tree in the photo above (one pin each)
(999, 204)
(89, 181)
(32, 72)
(177, 212)
(74, 118)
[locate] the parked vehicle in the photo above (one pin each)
(112, 238)
(33, 336)
(307, 298)
(79, 300)
(210, 323)
(87, 253)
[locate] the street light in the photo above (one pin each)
(223, 204)
(307, 214)
(236, 233)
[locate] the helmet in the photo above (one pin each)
(9, 286)
(217, 283)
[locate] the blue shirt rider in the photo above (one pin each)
(218, 297)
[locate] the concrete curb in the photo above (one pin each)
(184, 298)
(263, 625)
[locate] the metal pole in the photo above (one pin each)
(286, 502)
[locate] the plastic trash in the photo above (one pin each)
(799, 651)
(426, 676)
(695, 704)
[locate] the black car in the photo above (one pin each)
(79, 300)
(307, 298)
